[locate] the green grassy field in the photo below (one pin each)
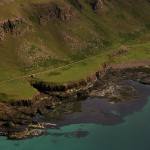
(137, 52)
(21, 89)
(90, 36)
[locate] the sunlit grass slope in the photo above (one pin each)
(53, 43)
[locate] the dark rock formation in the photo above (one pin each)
(110, 83)
(115, 91)
(12, 26)
(53, 10)
(46, 87)
(96, 4)
(25, 103)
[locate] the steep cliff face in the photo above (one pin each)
(46, 87)
(25, 103)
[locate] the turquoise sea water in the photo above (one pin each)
(97, 125)
(133, 133)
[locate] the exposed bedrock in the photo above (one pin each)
(109, 83)
(11, 26)
(45, 12)
(25, 103)
(96, 4)
(69, 87)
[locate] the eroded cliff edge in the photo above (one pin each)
(16, 117)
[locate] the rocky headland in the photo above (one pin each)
(19, 119)
(39, 34)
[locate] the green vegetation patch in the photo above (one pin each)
(46, 48)
(16, 89)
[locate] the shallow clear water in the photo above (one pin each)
(133, 133)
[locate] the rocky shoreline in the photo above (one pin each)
(24, 118)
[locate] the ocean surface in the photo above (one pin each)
(99, 125)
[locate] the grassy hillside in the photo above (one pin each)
(53, 33)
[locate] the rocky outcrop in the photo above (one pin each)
(47, 87)
(54, 87)
(26, 134)
(115, 92)
(111, 83)
(96, 4)
(11, 26)
(52, 11)
(70, 91)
